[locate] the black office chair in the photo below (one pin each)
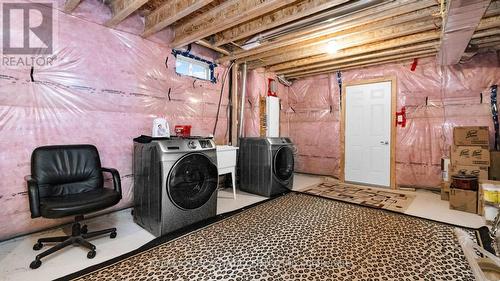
(67, 180)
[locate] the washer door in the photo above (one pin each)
(192, 181)
(283, 164)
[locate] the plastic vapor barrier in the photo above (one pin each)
(436, 99)
(104, 88)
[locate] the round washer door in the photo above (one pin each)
(192, 181)
(283, 163)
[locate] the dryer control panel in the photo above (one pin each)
(205, 144)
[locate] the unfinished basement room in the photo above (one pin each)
(239, 140)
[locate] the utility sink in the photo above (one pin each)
(489, 268)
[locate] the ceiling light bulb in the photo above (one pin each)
(332, 47)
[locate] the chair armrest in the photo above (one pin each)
(33, 196)
(117, 184)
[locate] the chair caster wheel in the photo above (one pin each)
(91, 254)
(84, 229)
(35, 264)
(37, 246)
(112, 235)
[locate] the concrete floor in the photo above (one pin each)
(16, 254)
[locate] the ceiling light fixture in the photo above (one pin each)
(332, 47)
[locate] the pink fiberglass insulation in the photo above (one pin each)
(257, 86)
(453, 99)
(105, 88)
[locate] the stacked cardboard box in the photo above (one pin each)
(470, 155)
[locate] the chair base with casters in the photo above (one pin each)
(79, 234)
(67, 181)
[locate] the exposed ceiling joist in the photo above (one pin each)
(339, 25)
(171, 12)
(378, 46)
(485, 28)
(70, 5)
(279, 17)
(485, 40)
(205, 44)
(122, 9)
(429, 46)
(346, 38)
(366, 63)
(461, 20)
(224, 16)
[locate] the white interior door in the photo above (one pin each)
(368, 134)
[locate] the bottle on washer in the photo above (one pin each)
(160, 128)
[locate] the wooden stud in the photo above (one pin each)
(70, 5)
(393, 81)
(169, 13)
(304, 8)
(122, 9)
(224, 16)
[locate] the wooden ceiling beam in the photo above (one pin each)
(429, 46)
(169, 13)
(365, 63)
(279, 17)
(205, 44)
(345, 39)
(293, 58)
(348, 22)
(70, 5)
(224, 16)
(485, 40)
(122, 9)
(486, 33)
(365, 48)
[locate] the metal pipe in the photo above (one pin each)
(243, 97)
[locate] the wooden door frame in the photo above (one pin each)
(393, 81)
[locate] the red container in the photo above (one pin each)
(183, 130)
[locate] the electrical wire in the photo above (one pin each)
(226, 72)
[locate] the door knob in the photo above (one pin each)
(384, 142)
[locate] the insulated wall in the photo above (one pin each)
(104, 88)
(436, 98)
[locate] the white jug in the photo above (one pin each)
(160, 128)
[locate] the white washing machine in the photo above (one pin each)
(175, 182)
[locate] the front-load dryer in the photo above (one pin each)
(266, 165)
(175, 182)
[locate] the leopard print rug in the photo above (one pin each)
(302, 237)
(362, 195)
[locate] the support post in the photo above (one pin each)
(234, 105)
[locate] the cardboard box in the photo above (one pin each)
(479, 171)
(470, 156)
(476, 135)
(494, 171)
(463, 200)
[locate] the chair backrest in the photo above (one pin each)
(66, 169)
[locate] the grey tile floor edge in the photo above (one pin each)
(17, 253)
